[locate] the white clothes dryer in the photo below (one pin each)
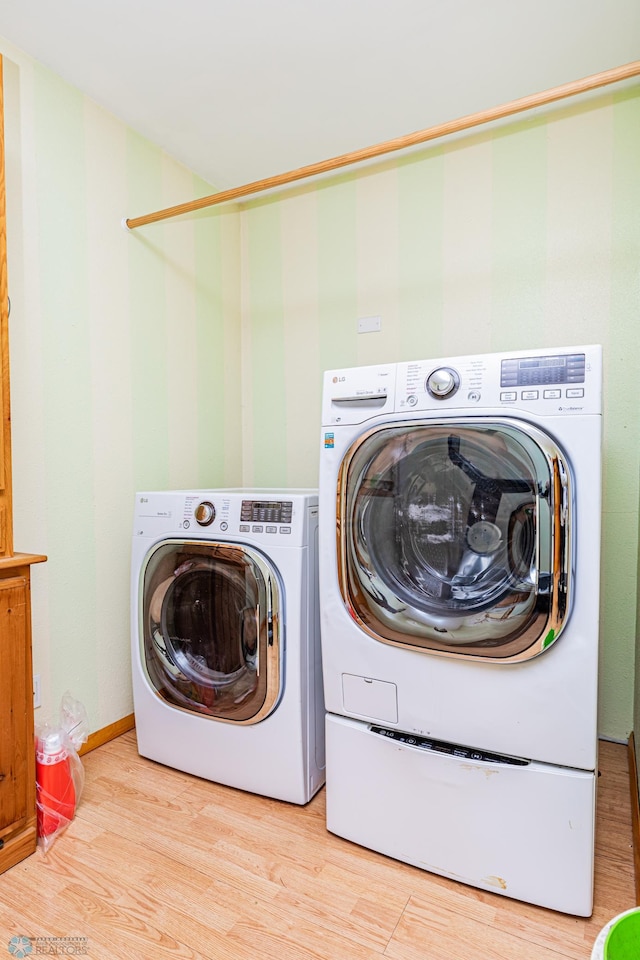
(227, 676)
(459, 580)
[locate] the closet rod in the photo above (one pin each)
(592, 82)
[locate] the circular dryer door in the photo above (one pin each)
(455, 537)
(210, 629)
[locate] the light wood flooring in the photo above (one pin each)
(160, 864)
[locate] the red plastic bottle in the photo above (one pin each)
(56, 794)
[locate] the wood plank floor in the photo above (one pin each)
(160, 864)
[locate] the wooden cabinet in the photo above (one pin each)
(17, 753)
(17, 750)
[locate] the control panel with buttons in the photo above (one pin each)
(208, 514)
(545, 382)
(452, 749)
(280, 519)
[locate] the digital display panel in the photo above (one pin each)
(543, 371)
(543, 362)
(266, 511)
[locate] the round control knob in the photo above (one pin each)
(442, 382)
(205, 513)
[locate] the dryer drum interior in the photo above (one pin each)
(456, 537)
(210, 629)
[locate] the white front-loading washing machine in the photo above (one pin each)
(459, 581)
(227, 677)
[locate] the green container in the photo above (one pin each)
(620, 938)
(623, 939)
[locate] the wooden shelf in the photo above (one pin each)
(20, 560)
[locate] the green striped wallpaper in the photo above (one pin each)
(125, 354)
(523, 236)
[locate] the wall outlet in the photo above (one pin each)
(369, 324)
(36, 691)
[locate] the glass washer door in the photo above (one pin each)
(455, 537)
(210, 630)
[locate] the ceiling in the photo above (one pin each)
(239, 90)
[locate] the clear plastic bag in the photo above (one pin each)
(59, 770)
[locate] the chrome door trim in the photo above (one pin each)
(272, 618)
(545, 626)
